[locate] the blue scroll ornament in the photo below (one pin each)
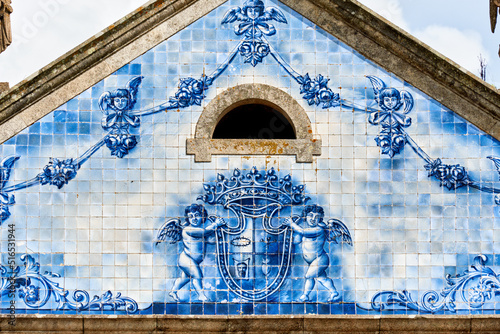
(36, 290)
(475, 287)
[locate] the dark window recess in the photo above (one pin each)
(254, 121)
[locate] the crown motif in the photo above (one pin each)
(254, 184)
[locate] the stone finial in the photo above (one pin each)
(5, 31)
(494, 8)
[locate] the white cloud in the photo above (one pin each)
(389, 9)
(463, 47)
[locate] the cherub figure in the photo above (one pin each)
(253, 14)
(194, 233)
(390, 101)
(116, 106)
(313, 237)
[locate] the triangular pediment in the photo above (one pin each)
(349, 21)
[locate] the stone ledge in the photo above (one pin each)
(251, 324)
(203, 149)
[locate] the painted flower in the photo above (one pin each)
(254, 51)
(191, 91)
(450, 176)
(316, 91)
(479, 294)
(120, 144)
(58, 172)
(391, 143)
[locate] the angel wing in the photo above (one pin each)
(5, 169)
(105, 101)
(171, 230)
(378, 85)
(497, 163)
(407, 100)
(336, 230)
(494, 5)
(234, 14)
(133, 87)
(273, 13)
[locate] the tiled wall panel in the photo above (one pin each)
(411, 184)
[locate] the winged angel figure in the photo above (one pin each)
(390, 100)
(313, 237)
(253, 16)
(116, 106)
(194, 233)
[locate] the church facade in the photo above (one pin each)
(248, 157)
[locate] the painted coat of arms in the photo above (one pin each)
(261, 218)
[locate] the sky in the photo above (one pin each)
(44, 30)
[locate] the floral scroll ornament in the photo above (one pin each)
(36, 290)
(116, 107)
(59, 172)
(316, 91)
(191, 92)
(451, 176)
(392, 138)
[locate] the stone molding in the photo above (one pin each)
(202, 146)
(251, 324)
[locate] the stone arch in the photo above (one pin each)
(203, 146)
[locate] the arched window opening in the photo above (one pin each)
(254, 121)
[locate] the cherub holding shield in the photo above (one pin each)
(194, 233)
(314, 234)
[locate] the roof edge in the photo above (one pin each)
(93, 51)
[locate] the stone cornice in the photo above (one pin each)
(252, 324)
